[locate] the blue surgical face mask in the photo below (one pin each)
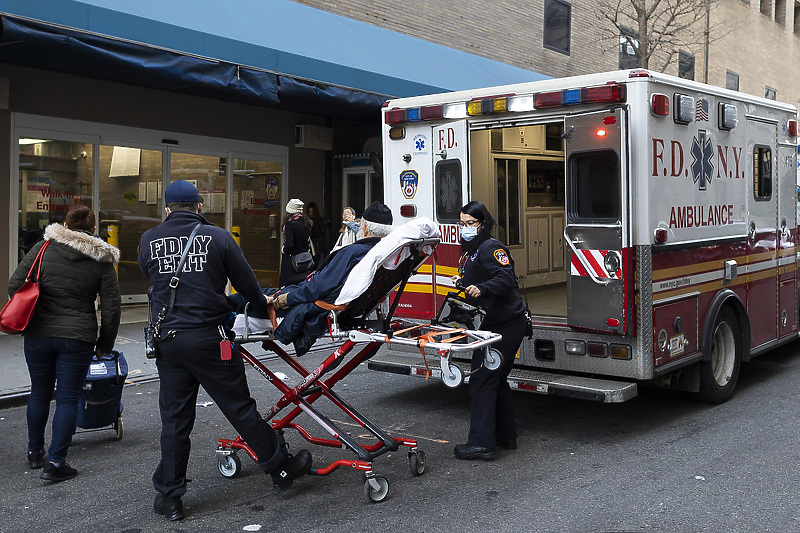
(467, 234)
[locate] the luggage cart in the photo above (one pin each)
(100, 399)
(354, 325)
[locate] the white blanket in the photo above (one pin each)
(254, 325)
(389, 252)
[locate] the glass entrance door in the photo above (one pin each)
(362, 186)
(130, 181)
(256, 215)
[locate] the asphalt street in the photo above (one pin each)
(661, 462)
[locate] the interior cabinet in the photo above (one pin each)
(545, 242)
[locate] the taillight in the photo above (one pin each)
(408, 210)
(793, 128)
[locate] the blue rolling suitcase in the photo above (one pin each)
(100, 401)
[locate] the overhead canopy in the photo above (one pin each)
(268, 52)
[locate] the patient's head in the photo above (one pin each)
(376, 221)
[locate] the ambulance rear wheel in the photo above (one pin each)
(718, 375)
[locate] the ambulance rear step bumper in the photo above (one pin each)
(583, 388)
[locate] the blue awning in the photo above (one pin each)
(273, 52)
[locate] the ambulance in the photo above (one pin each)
(652, 220)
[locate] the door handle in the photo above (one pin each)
(752, 232)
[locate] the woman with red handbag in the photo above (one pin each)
(62, 335)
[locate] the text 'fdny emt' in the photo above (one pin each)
(653, 221)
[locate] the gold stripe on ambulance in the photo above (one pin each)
(710, 266)
(716, 285)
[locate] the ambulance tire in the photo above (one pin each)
(718, 375)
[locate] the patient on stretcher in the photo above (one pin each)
(343, 277)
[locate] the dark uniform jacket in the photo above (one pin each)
(75, 268)
(214, 257)
(490, 267)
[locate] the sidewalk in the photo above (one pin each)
(15, 383)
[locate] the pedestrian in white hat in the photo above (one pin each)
(296, 258)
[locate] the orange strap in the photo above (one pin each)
(273, 316)
(330, 307)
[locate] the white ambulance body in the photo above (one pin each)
(652, 220)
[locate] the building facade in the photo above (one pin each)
(754, 42)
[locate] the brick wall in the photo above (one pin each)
(743, 39)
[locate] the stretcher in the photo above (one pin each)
(363, 323)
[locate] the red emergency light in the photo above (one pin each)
(408, 210)
(793, 128)
(659, 105)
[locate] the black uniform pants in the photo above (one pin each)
(492, 416)
(191, 359)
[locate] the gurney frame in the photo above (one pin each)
(351, 323)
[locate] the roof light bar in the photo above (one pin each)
(395, 116)
(610, 93)
(544, 100)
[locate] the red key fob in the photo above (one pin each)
(225, 350)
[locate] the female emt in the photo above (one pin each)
(487, 273)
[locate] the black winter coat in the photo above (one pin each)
(295, 240)
(75, 268)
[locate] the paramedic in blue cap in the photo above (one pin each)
(191, 356)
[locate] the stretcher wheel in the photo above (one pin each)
(493, 359)
(454, 377)
(118, 427)
(416, 462)
(379, 493)
(230, 466)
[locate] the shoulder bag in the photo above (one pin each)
(17, 313)
(152, 330)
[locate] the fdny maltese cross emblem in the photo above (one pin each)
(408, 183)
(501, 256)
(702, 167)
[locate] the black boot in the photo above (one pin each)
(60, 472)
(171, 508)
(290, 469)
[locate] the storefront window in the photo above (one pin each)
(256, 220)
(53, 176)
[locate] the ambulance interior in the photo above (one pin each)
(518, 172)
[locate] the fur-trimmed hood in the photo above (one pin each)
(83, 242)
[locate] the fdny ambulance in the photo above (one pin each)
(652, 221)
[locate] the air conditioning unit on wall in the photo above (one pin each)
(308, 136)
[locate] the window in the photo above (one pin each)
(780, 12)
(448, 190)
(797, 18)
(685, 65)
(508, 203)
(770, 93)
(594, 186)
(766, 8)
(731, 80)
(762, 172)
(557, 17)
(628, 39)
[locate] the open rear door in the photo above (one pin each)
(598, 285)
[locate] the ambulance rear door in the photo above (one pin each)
(449, 144)
(598, 284)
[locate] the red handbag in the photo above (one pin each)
(16, 314)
